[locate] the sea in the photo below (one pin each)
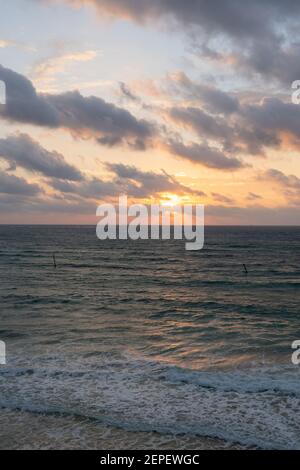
(144, 345)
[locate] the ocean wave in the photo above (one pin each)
(283, 380)
(255, 407)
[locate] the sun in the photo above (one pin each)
(169, 199)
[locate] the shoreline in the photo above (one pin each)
(24, 430)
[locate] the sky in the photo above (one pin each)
(165, 101)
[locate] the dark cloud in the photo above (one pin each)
(261, 33)
(144, 184)
(11, 184)
(22, 151)
(221, 198)
(251, 129)
(23, 104)
(219, 117)
(253, 197)
(204, 155)
(272, 60)
(127, 93)
(219, 101)
(214, 100)
(93, 114)
(287, 181)
(273, 115)
(238, 128)
(92, 188)
(83, 116)
(228, 16)
(125, 180)
(289, 185)
(201, 122)
(249, 138)
(81, 197)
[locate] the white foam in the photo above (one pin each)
(254, 407)
(256, 379)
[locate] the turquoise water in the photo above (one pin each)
(145, 336)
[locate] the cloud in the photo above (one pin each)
(92, 188)
(22, 151)
(82, 116)
(273, 115)
(47, 68)
(289, 185)
(221, 198)
(127, 93)
(144, 184)
(209, 157)
(260, 35)
(289, 182)
(11, 184)
(272, 60)
(12, 208)
(5, 43)
(81, 197)
(239, 127)
(253, 197)
(126, 179)
(201, 122)
(23, 104)
(214, 100)
(229, 16)
(109, 125)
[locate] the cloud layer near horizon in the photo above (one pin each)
(65, 183)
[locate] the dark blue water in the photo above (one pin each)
(145, 336)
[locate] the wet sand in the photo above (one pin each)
(24, 430)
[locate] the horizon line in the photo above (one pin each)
(94, 225)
